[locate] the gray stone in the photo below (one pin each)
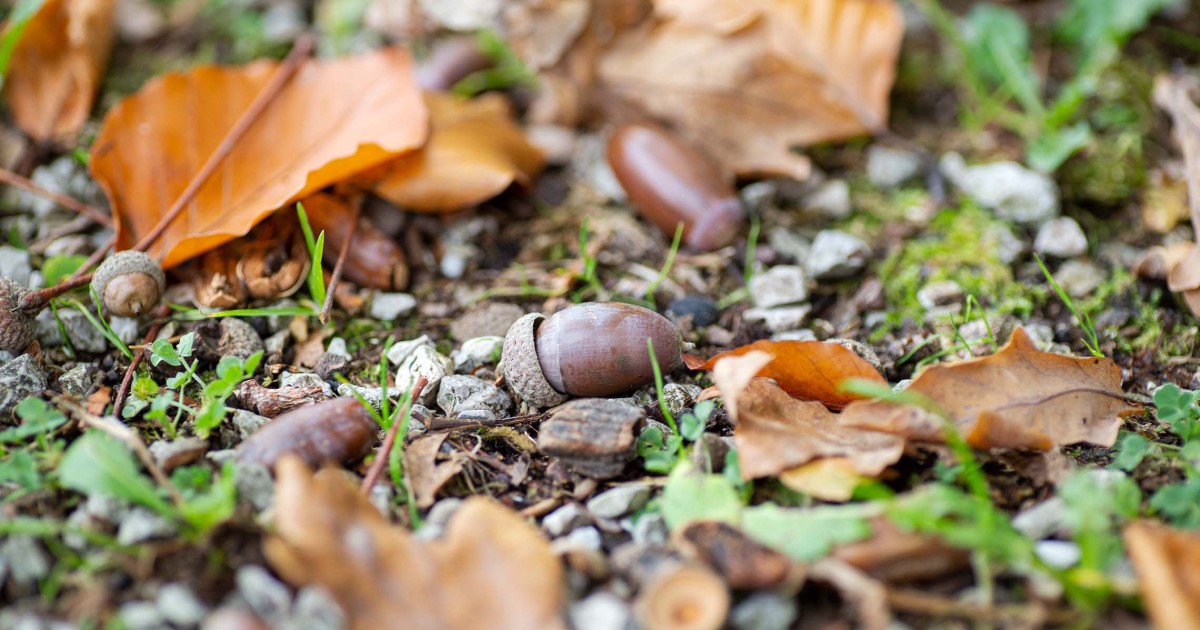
(619, 501)
(19, 379)
(315, 609)
(476, 352)
(862, 350)
(831, 199)
(391, 306)
(779, 286)
(170, 454)
(556, 142)
(277, 323)
(83, 335)
(255, 485)
(836, 255)
(140, 525)
(764, 611)
(423, 362)
(1079, 277)
(305, 379)
(460, 393)
(401, 350)
(1058, 554)
(179, 605)
(790, 244)
(79, 380)
(141, 615)
(282, 22)
(337, 346)
(372, 395)
(458, 244)
(1011, 190)
(277, 342)
(600, 611)
(439, 515)
(936, 295)
(580, 539)
(779, 319)
(266, 596)
(70, 245)
(126, 329)
(562, 521)
(650, 529)
(25, 558)
(591, 165)
(247, 422)
(463, 15)
(1007, 247)
(380, 496)
(803, 334)
(760, 195)
(491, 319)
(888, 167)
(1061, 238)
(679, 396)
(14, 264)
(1042, 520)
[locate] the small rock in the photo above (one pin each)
(1061, 238)
(141, 616)
(83, 335)
(708, 453)
(25, 558)
(439, 515)
(125, 328)
(423, 362)
(619, 501)
(266, 596)
(803, 334)
(940, 294)
(580, 539)
(596, 436)
(302, 380)
(238, 339)
(1011, 190)
(19, 379)
(590, 163)
(562, 521)
(276, 343)
(180, 606)
(600, 611)
(764, 611)
(1079, 277)
(1007, 247)
(337, 346)
(889, 167)
(831, 199)
(255, 485)
(139, 20)
(172, 454)
(460, 393)
(401, 350)
(282, 21)
(836, 255)
(1059, 554)
(141, 525)
(458, 244)
(70, 245)
(779, 319)
(790, 244)
(680, 396)
(779, 285)
(463, 15)
(391, 306)
(372, 395)
(489, 319)
(702, 309)
(329, 365)
(247, 422)
(1042, 520)
(78, 381)
(760, 195)
(278, 323)
(556, 142)
(477, 352)
(651, 529)
(14, 264)
(315, 609)
(862, 350)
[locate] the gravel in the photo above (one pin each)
(14, 264)
(836, 255)
(1061, 238)
(619, 501)
(391, 306)
(830, 200)
(1012, 191)
(19, 378)
(460, 393)
(888, 167)
(778, 286)
(562, 521)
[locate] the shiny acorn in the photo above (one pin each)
(596, 349)
(670, 183)
(129, 283)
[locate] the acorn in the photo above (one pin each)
(591, 350)
(17, 327)
(129, 283)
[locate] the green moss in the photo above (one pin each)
(1108, 172)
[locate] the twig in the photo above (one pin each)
(389, 441)
(95, 259)
(119, 400)
(70, 203)
(35, 301)
(74, 226)
(355, 212)
(937, 606)
(126, 435)
(454, 424)
(262, 100)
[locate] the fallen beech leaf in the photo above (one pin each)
(808, 370)
(1019, 397)
(474, 153)
(828, 479)
(491, 564)
(57, 65)
(894, 555)
(1171, 94)
(334, 119)
(733, 373)
(748, 80)
(374, 260)
(775, 433)
(1167, 562)
(424, 473)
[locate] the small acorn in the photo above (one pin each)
(129, 283)
(17, 328)
(593, 350)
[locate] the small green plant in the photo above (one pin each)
(507, 69)
(21, 465)
(1091, 340)
(59, 268)
(667, 264)
(661, 453)
(316, 251)
(591, 280)
(1177, 502)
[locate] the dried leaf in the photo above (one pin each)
(474, 153)
(775, 433)
(333, 120)
(1171, 94)
(808, 370)
(1019, 397)
(828, 479)
(490, 565)
(425, 474)
(1167, 562)
(57, 65)
(747, 81)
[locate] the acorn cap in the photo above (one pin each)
(122, 264)
(520, 365)
(16, 326)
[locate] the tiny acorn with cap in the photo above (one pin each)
(129, 283)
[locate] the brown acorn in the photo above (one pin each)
(129, 283)
(337, 431)
(596, 349)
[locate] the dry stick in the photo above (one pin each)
(122, 392)
(126, 435)
(341, 261)
(35, 301)
(70, 203)
(385, 449)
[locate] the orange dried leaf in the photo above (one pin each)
(57, 65)
(1019, 397)
(749, 80)
(1167, 562)
(490, 565)
(474, 153)
(334, 119)
(808, 370)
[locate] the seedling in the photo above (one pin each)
(507, 71)
(660, 453)
(1091, 340)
